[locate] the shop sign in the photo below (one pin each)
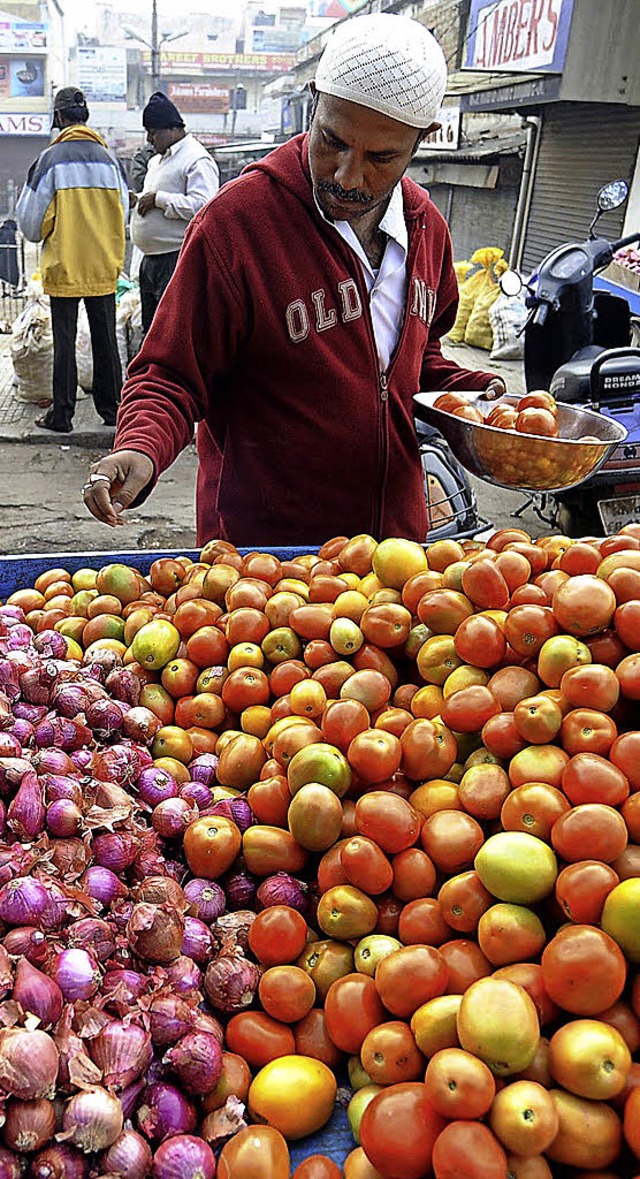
(518, 34)
(200, 96)
(22, 36)
(270, 63)
(22, 77)
(447, 137)
(25, 124)
(544, 88)
(102, 73)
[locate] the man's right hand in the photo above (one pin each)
(114, 483)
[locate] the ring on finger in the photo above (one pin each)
(96, 477)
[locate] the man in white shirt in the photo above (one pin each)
(181, 178)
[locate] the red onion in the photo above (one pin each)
(70, 699)
(283, 889)
(81, 759)
(240, 888)
(12, 771)
(116, 850)
(128, 1158)
(28, 1063)
(94, 1119)
(102, 884)
(121, 989)
(155, 785)
(22, 901)
(11, 1167)
(23, 731)
(236, 809)
(197, 1061)
(206, 898)
(184, 976)
(165, 1112)
(62, 733)
(29, 712)
(204, 1022)
(60, 786)
(232, 929)
(63, 818)
(141, 724)
(76, 973)
(231, 982)
(29, 1125)
(37, 685)
(155, 932)
(57, 1162)
(184, 1157)
(121, 913)
(54, 761)
(123, 684)
(51, 644)
(94, 934)
(160, 890)
(103, 657)
(198, 941)
(19, 636)
(171, 817)
(105, 717)
(9, 745)
(170, 1018)
(123, 1052)
(10, 611)
(130, 1097)
(26, 812)
(29, 941)
(37, 993)
(118, 763)
(56, 908)
(196, 792)
(203, 768)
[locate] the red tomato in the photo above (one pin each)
(583, 887)
(584, 605)
(409, 977)
(352, 1008)
(485, 586)
(375, 755)
(387, 819)
(278, 935)
(366, 866)
(591, 778)
(468, 1150)
(512, 684)
(592, 686)
(586, 731)
(480, 641)
(258, 1038)
(414, 874)
(533, 808)
(538, 719)
(390, 1055)
(501, 737)
(398, 1131)
(466, 963)
(452, 839)
(469, 709)
(428, 750)
(312, 1039)
(590, 831)
(583, 969)
(421, 922)
(459, 1085)
(463, 900)
(528, 626)
(625, 754)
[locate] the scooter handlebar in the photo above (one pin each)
(540, 314)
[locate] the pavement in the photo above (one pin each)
(41, 474)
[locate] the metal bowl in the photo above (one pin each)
(525, 462)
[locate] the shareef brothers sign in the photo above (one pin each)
(519, 35)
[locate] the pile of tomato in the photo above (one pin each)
(443, 747)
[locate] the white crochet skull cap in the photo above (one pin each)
(388, 63)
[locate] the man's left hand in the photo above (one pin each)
(146, 202)
(495, 388)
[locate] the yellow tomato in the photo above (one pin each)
(294, 1094)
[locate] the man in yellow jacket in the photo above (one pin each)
(76, 201)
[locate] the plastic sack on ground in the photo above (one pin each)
(32, 346)
(478, 332)
(129, 326)
(508, 316)
(485, 258)
(463, 270)
(84, 351)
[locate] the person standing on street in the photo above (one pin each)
(181, 177)
(76, 201)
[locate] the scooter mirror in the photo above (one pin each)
(510, 283)
(612, 195)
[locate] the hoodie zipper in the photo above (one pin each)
(384, 455)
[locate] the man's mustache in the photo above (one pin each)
(344, 194)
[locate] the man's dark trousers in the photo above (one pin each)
(155, 272)
(107, 371)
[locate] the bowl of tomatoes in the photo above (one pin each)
(531, 443)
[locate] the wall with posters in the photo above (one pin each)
(101, 72)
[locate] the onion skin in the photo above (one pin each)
(123, 1052)
(197, 1062)
(10, 1166)
(129, 1157)
(57, 1162)
(231, 982)
(155, 932)
(28, 1063)
(166, 1111)
(94, 1119)
(184, 1157)
(37, 993)
(170, 1019)
(283, 889)
(206, 898)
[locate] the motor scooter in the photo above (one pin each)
(577, 346)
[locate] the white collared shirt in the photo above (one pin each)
(183, 179)
(387, 286)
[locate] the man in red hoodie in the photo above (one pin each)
(306, 309)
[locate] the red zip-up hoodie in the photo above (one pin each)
(265, 337)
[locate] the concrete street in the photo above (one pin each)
(41, 475)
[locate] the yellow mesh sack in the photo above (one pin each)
(479, 332)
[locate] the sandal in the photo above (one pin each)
(45, 424)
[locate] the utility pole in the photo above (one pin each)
(155, 48)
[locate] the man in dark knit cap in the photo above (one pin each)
(180, 179)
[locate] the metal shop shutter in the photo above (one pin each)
(583, 146)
